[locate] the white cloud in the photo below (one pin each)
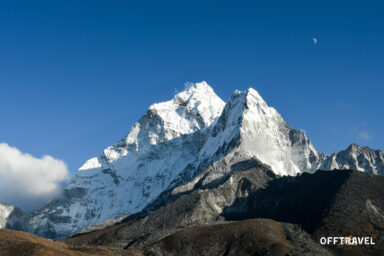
(29, 182)
(364, 135)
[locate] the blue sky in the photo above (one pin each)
(76, 75)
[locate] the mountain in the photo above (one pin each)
(191, 141)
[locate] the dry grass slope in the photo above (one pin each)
(19, 243)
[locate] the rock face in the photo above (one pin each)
(191, 141)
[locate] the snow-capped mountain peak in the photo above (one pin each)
(251, 127)
(189, 111)
(197, 99)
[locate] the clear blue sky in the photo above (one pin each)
(76, 75)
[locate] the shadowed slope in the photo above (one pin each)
(249, 237)
(338, 203)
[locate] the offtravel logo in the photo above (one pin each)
(347, 241)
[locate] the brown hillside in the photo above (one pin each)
(21, 243)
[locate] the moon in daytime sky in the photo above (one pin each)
(314, 40)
